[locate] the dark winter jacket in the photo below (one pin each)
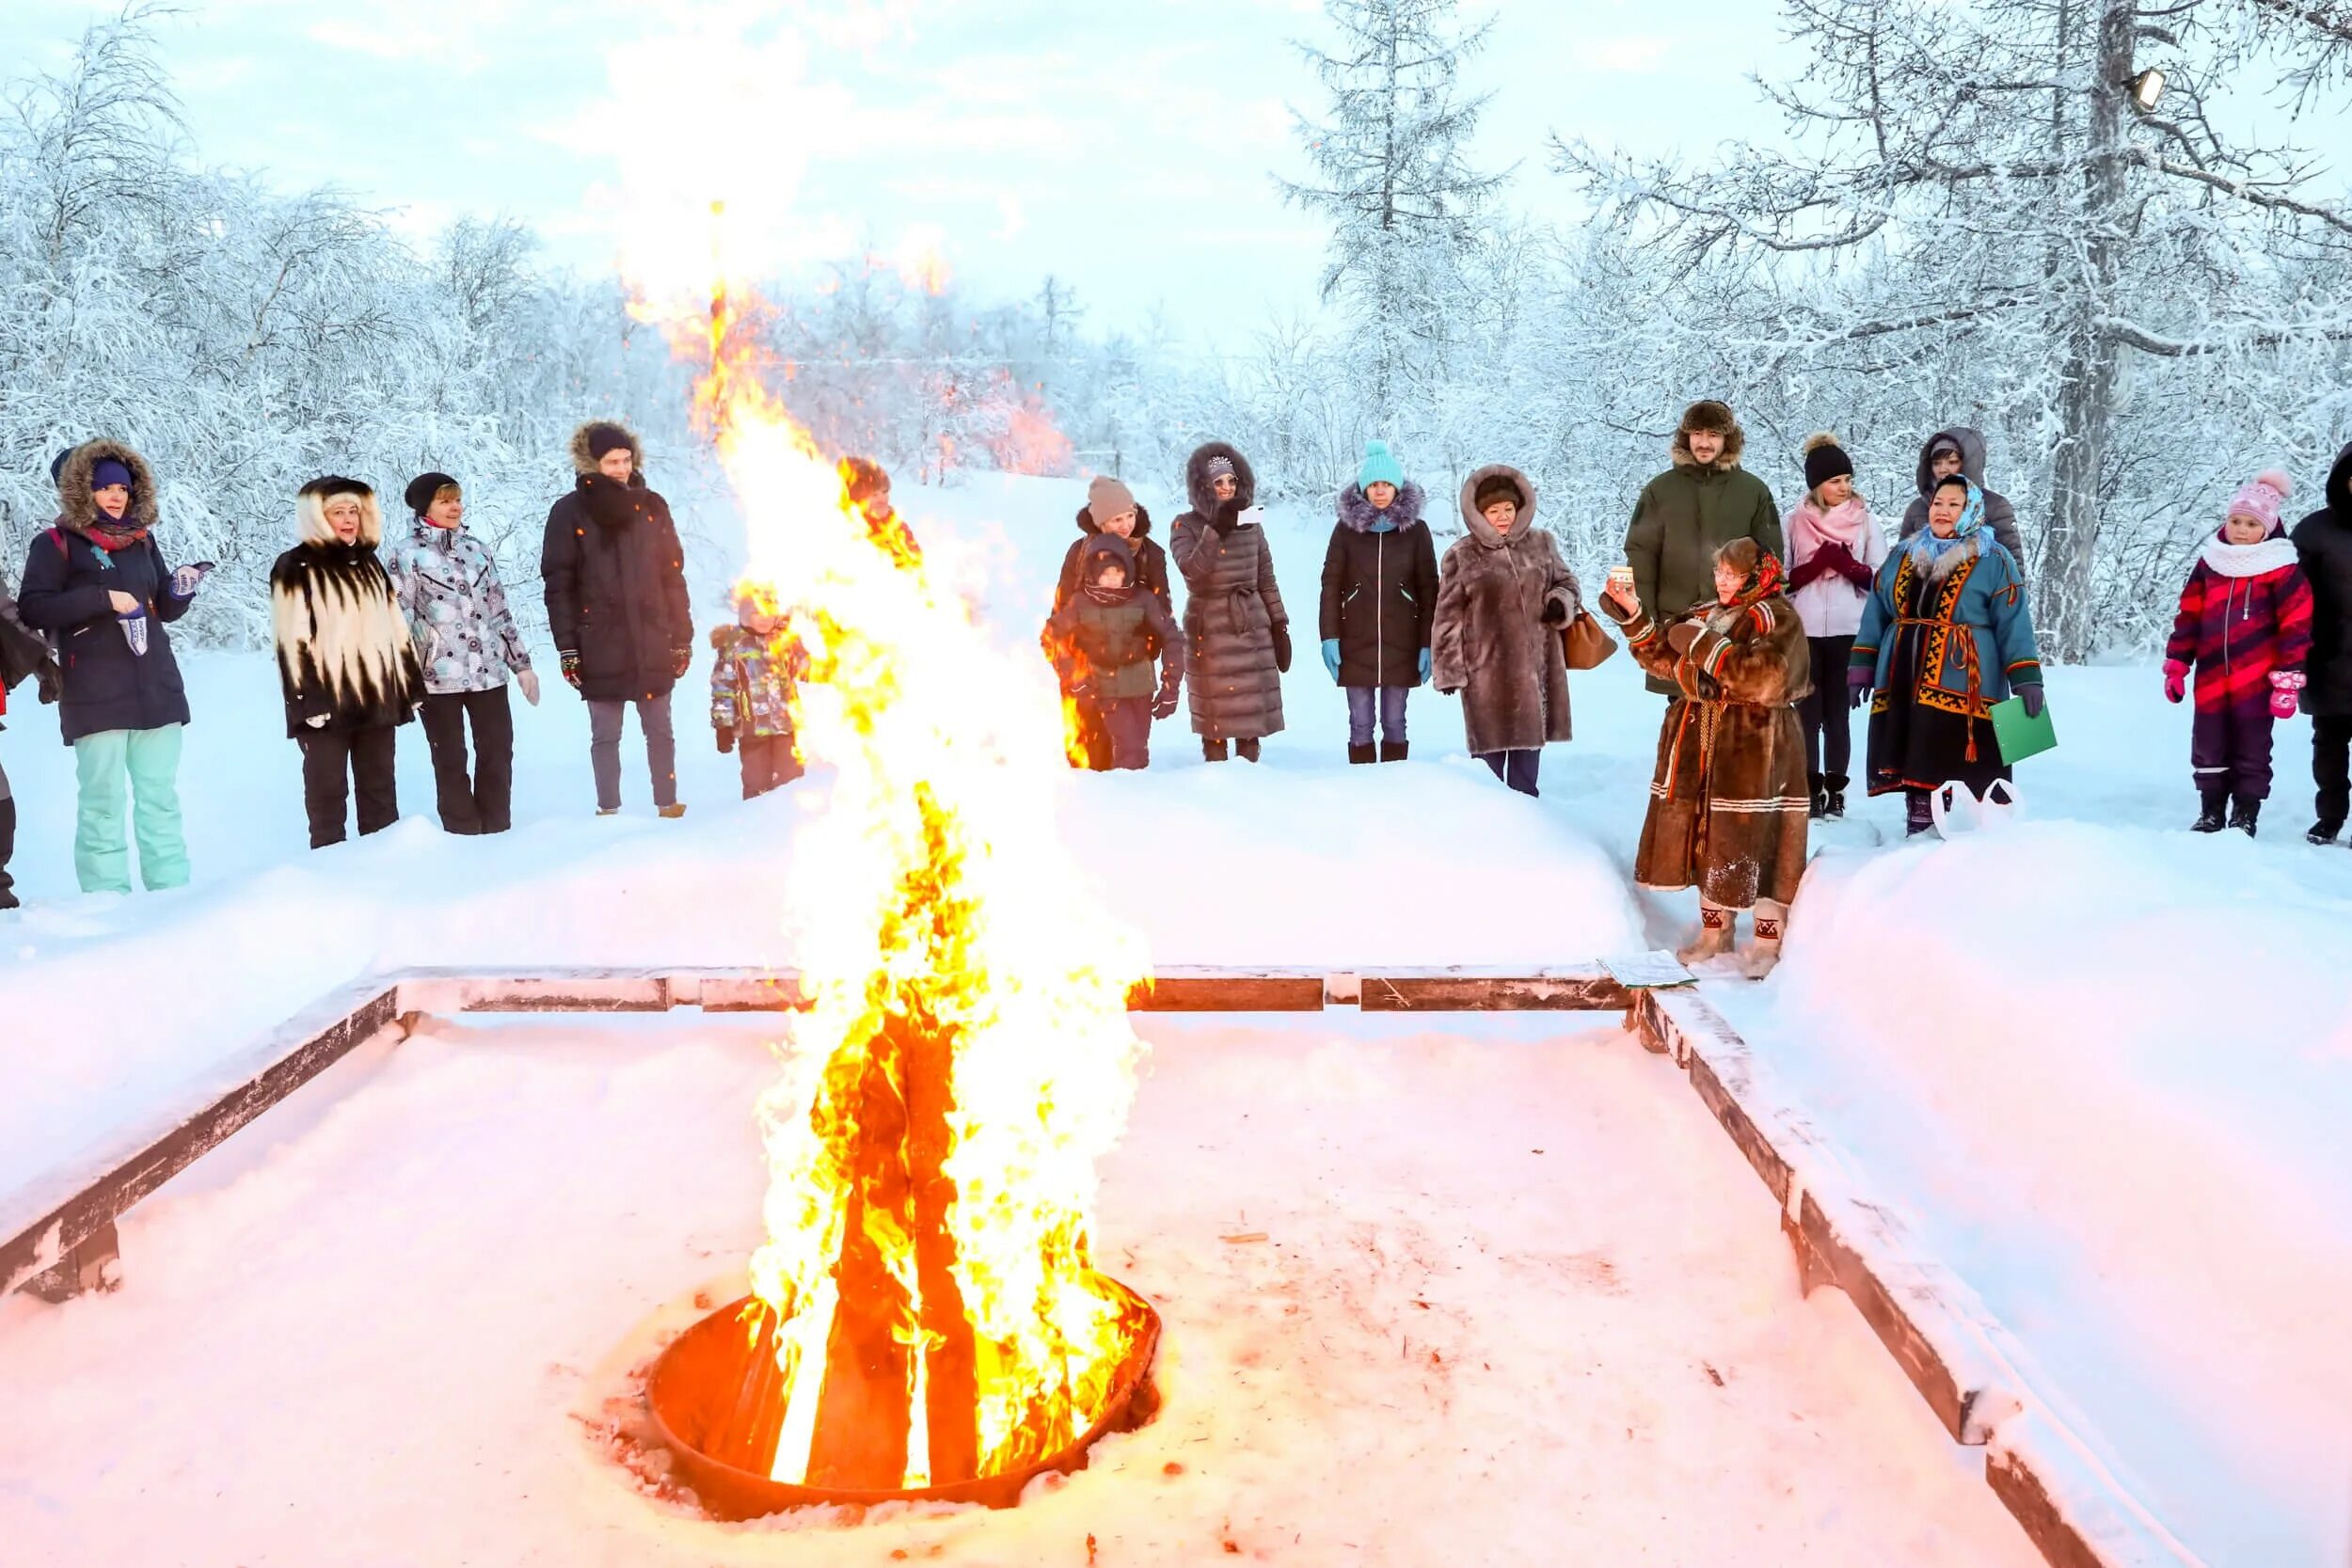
(1233, 610)
(2245, 615)
(1109, 638)
(1489, 640)
(1683, 517)
(23, 655)
(616, 583)
(1999, 516)
(1380, 588)
(751, 679)
(1150, 560)
(108, 685)
(2324, 540)
(344, 655)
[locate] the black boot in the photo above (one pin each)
(1820, 806)
(1249, 750)
(1832, 796)
(1212, 749)
(7, 847)
(1393, 751)
(1360, 753)
(1917, 818)
(2213, 817)
(2244, 812)
(2324, 832)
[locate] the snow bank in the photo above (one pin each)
(2115, 1104)
(1431, 1297)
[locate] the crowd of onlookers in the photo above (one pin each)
(1762, 629)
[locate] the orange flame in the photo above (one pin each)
(941, 920)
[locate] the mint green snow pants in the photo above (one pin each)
(132, 773)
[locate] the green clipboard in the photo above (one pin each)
(2020, 734)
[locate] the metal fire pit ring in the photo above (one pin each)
(710, 1352)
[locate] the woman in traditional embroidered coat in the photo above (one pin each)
(1728, 800)
(345, 659)
(1946, 635)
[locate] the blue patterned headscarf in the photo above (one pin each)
(1927, 549)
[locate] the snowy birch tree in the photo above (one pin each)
(1392, 177)
(1996, 181)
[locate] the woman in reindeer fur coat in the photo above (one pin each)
(1728, 800)
(345, 658)
(1379, 602)
(1504, 593)
(97, 584)
(1234, 615)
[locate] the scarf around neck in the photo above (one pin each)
(2249, 561)
(1810, 528)
(1927, 548)
(114, 537)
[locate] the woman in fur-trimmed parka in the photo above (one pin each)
(345, 659)
(1504, 595)
(1234, 615)
(1728, 802)
(1379, 602)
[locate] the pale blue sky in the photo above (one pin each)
(1125, 147)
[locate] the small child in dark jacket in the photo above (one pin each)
(1105, 638)
(757, 658)
(2245, 624)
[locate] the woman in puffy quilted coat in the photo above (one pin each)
(2245, 627)
(1379, 602)
(1233, 614)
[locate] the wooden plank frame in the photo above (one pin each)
(1905, 1297)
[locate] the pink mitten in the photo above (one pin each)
(2285, 684)
(2175, 680)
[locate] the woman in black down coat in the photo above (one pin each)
(2324, 540)
(1233, 614)
(1379, 602)
(617, 606)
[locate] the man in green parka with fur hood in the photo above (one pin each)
(1693, 510)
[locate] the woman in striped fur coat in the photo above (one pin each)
(344, 657)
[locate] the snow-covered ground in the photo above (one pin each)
(2102, 1066)
(1490, 1294)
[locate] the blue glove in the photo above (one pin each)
(1331, 656)
(1427, 664)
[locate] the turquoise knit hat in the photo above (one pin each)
(1379, 466)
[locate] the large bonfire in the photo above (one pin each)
(926, 1306)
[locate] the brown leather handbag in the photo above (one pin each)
(1584, 642)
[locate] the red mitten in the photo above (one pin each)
(2175, 680)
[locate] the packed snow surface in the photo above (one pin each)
(2098, 1065)
(1494, 1294)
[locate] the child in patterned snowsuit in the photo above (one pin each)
(750, 694)
(2245, 624)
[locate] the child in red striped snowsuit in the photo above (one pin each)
(2245, 624)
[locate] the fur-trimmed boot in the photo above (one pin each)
(1393, 751)
(2213, 816)
(1361, 753)
(1762, 955)
(1714, 937)
(1833, 796)
(2245, 812)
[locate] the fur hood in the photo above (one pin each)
(1475, 520)
(583, 465)
(1197, 477)
(76, 509)
(310, 511)
(2338, 493)
(1735, 443)
(1143, 522)
(1357, 513)
(1970, 441)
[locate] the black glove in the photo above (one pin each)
(1225, 516)
(726, 739)
(1555, 613)
(50, 681)
(571, 667)
(1164, 706)
(682, 658)
(2030, 694)
(1282, 648)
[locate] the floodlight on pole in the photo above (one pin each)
(2147, 87)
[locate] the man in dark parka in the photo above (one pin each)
(618, 606)
(2324, 540)
(1693, 509)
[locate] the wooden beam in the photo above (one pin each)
(36, 1243)
(1481, 990)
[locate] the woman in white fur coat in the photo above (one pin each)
(345, 658)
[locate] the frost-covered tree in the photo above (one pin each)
(1992, 199)
(1392, 178)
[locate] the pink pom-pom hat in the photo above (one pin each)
(2262, 497)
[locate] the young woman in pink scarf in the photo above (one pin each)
(1834, 547)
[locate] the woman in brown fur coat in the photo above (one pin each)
(1502, 595)
(1728, 800)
